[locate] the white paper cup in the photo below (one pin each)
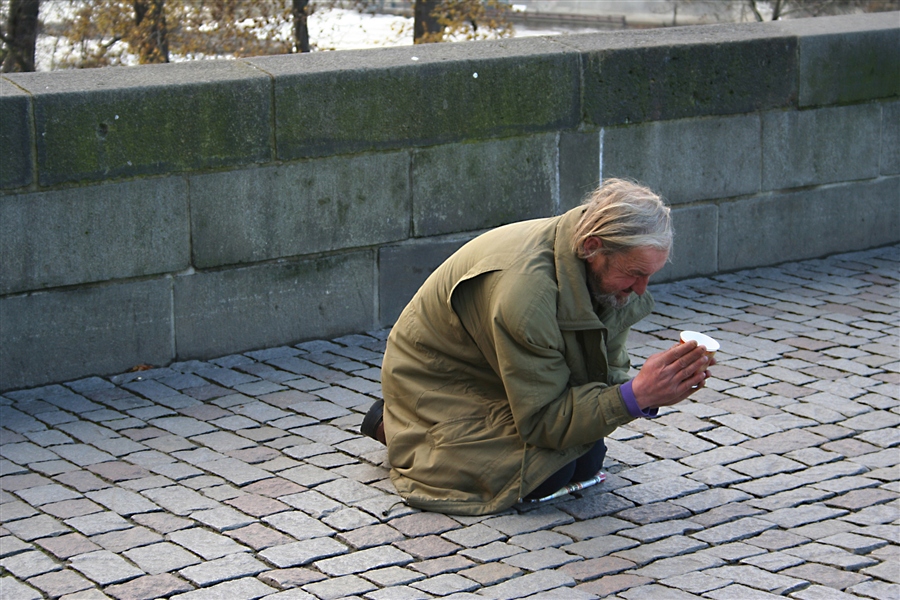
(711, 345)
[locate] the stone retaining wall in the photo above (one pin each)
(193, 210)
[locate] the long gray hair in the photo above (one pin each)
(623, 215)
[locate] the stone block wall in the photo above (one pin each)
(192, 210)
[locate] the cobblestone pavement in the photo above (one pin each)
(246, 477)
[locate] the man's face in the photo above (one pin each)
(612, 278)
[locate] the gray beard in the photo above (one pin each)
(605, 300)
(611, 301)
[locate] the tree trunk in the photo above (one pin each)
(776, 10)
(300, 13)
(425, 24)
(21, 35)
(755, 9)
(152, 36)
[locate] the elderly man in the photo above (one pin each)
(508, 368)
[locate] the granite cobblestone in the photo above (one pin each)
(245, 476)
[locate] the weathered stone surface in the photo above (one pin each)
(854, 52)
(666, 74)
(115, 326)
(336, 295)
(694, 249)
(16, 137)
(824, 214)
(845, 147)
(161, 558)
(149, 587)
(228, 567)
(420, 96)
(364, 560)
(469, 187)
(266, 213)
(127, 122)
(104, 567)
(677, 158)
(207, 544)
(301, 553)
(57, 238)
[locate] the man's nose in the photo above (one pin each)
(640, 285)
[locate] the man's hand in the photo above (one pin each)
(669, 377)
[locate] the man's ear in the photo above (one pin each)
(591, 245)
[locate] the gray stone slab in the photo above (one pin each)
(759, 579)
(809, 223)
(12, 588)
(205, 543)
(663, 489)
(654, 471)
(183, 426)
(712, 498)
(404, 267)
(673, 546)
(106, 329)
(579, 167)
(97, 523)
(29, 564)
(657, 531)
(689, 159)
(16, 137)
(694, 251)
(121, 501)
(98, 233)
(420, 96)
(600, 546)
(544, 517)
(107, 123)
(179, 499)
(26, 452)
(348, 586)
(814, 147)
(228, 567)
(245, 588)
(473, 186)
(305, 552)
(595, 527)
(789, 518)
(161, 558)
(259, 214)
(222, 518)
(82, 454)
(844, 60)
(223, 312)
(235, 471)
(36, 527)
(890, 138)
(734, 531)
(299, 525)
(446, 584)
(104, 567)
(664, 74)
(526, 585)
(677, 565)
(363, 560)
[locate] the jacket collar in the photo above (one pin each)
(575, 310)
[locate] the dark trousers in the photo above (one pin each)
(580, 469)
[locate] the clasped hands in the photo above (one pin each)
(671, 376)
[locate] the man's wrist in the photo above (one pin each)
(631, 404)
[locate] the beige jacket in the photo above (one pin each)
(476, 419)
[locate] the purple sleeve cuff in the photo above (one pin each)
(631, 403)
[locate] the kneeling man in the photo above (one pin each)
(508, 368)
